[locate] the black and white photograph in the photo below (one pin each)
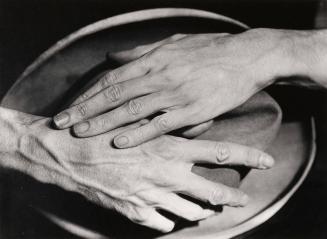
(152, 119)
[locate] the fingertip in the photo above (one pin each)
(61, 120)
(266, 161)
(168, 227)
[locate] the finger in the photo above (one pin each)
(152, 219)
(205, 151)
(126, 72)
(139, 51)
(132, 111)
(108, 98)
(182, 207)
(158, 126)
(197, 130)
(213, 193)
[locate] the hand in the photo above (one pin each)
(193, 78)
(135, 181)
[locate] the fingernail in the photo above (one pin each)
(61, 119)
(82, 127)
(169, 227)
(207, 213)
(121, 141)
(266, 162)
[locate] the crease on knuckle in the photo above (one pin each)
(82, 109)
(162, 124)
(102, 123)
(216, 196)
(109, 79)
(143, 62)
(139, 135)
(222, 151)
(113, 93)
(134, 107)
(82, 97)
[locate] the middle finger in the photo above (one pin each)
(134, 110)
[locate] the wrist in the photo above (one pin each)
(306, 54)
(286, 53)
(272, 55)
(315, 57)
(25, 147)
(9, 134)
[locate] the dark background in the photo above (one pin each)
(28, 27)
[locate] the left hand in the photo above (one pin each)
(193, 78)
(135, 182)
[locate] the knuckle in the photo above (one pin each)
(222, 151)
(109, 79)
(102, 123)
(113, 93)
(134, 107)
(235, 197)
(144, 60)
(167, 148)
(160, 175)
(162, 124)
(216, 196)
(151, 172)
(83, 97)
(82, 109)
(139, 134)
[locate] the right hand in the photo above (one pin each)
(134, 181)
(188, 79)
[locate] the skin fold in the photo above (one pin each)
(135, 181)
(193, 79)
